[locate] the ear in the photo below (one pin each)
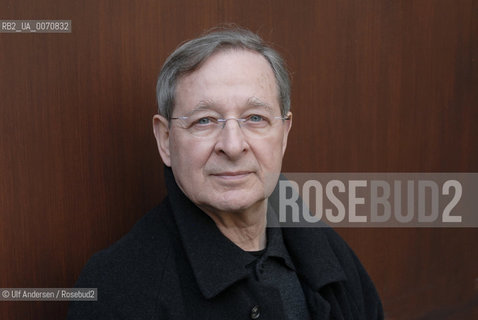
(287, 127)
(161, 133)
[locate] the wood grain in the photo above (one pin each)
(378, 86)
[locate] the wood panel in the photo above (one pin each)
(378, 85)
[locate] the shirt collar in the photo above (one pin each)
(275, 242)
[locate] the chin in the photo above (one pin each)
(238, 202)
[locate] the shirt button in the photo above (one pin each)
(255, 312)
(260, 268)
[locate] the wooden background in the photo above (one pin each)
(378, 86)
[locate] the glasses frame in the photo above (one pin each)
(240, 121)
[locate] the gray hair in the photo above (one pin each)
(189, 56)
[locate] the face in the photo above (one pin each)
(232, 171)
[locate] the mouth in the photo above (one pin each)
(232, 175)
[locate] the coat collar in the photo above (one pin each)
(312, 249)
(313, 256)
(217, 262)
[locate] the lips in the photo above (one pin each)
(232, 174)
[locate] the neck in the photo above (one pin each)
(246, 229)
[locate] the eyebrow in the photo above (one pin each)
(252, 102)
(204, 105)
(256, 102)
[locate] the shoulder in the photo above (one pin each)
(129, 270)
(146, 243)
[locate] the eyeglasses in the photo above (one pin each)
(254, 125)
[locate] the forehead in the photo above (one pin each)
(229, 79)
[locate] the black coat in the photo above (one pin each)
(153, 272)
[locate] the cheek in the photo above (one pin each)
(269, 153)
(188, 153)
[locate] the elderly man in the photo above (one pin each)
(206, 252)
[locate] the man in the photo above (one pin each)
(205, 252)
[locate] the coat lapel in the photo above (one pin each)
(319, 308)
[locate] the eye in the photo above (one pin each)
(203, 121)
(255, 118)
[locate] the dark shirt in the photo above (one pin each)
(274, 268)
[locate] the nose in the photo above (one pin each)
(232, 141)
